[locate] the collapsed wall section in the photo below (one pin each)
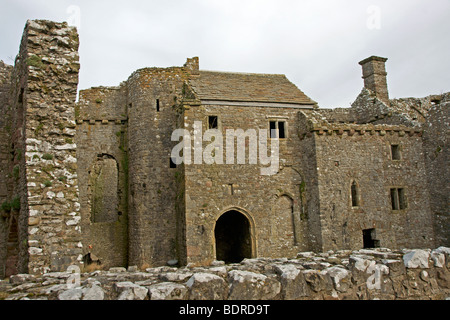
(371, 184)
(103, 174)
(44, 196)
(436, 150)
(8, 235)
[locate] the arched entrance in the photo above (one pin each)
(233, 237)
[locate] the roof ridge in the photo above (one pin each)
(245, 73)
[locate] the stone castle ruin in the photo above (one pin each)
(93, 181)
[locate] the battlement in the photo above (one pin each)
(360, 129)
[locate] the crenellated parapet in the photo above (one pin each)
(358, 129)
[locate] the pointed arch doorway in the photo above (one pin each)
(233, 237)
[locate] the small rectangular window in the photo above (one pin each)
(172, 164)
(395, 152)
(213, 122)
(231, 189)
(273, 126)
(280, 129)
(354, 195)
(398, 199)
(394, 199)
(157, 105)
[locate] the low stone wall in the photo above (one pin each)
(358, 275)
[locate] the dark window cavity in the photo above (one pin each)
(354, 194)
(369, 240)
(172, 164)
(277, 129)
(398, 199)
(395, 152)
(213, 122)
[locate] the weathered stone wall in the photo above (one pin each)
(152, 100)
(272, 204)
(436, 151)
(51, 194)
(44, 188)
(347, 155)
(5, 159)
(103, 173)
(17, 233)
(379, 274)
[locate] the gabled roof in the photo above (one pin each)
(247, 87)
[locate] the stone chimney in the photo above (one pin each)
(374, 75)
(192, 65)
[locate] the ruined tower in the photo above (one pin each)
(42, 205)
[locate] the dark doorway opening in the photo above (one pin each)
(369, 240)
(233, 239)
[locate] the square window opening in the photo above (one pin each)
(369, 240)
(395, 152)
(277, 129)
(213, 122)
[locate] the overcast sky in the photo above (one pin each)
(317, 44)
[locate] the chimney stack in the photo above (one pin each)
(374, 75)
(192, 65)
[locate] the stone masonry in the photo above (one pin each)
(94, 184)
(365, 274)
(41, 205)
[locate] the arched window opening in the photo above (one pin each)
(104, 190)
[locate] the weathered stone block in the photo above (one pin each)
(130, 291)
(341, 278)
(416, 259)
(252, 286)
(93, 292)
(293, 283)
(207, 286)
(167, 291)
(317, 280)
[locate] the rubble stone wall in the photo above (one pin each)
(436, 152)
(153, 94)
(44, 193)
(349, 157)
(271, 203)
(103, 173)
(5, 156)
(382, 274)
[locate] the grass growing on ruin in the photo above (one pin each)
(47, 156)
(48, 183)
(35, 61)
